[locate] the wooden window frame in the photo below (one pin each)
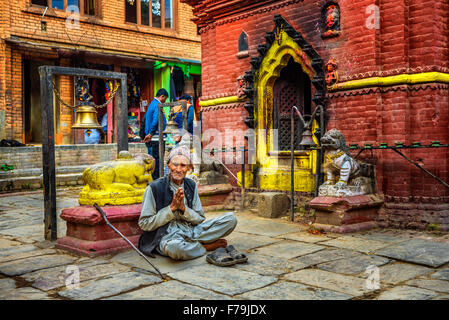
(139, 16)
(81, 7)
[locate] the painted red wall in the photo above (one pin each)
(413, 38)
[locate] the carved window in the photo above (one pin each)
(243, 42)
(153, 13)
(292, 88)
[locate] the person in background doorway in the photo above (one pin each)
(151, 120)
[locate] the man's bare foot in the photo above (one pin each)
(220, 243)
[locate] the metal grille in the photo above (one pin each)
(288, 97)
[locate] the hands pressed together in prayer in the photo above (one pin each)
(178, 201)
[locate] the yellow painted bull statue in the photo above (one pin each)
(118, 182)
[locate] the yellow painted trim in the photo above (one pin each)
(220, 101)
(401, 79)
(274, 171)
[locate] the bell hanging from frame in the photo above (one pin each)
(307, 139)
(86, 118)
(171, 128)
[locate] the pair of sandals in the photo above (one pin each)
(225, 257)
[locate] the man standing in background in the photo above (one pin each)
(151, 121)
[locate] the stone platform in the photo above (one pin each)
(285, 262)
(346, 214)
(88, 234)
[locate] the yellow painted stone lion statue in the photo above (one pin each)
(118, 182)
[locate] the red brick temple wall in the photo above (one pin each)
(412, 38)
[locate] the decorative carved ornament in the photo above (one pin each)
(331, 73)
(330, 20)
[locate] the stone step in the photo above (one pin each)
(36, 182)
(38, 171)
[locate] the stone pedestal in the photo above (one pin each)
(213, 197)
(346, 214)
(273, 204)
(88, 234)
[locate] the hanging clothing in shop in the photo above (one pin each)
(173, 95)
(178, 79)
(98, 91)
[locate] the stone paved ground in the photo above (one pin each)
(285, 262)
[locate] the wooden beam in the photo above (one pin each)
(48, 154)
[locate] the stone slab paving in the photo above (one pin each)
(4, 244)
(230, 281)
(269, 266)
(328, 280)
(357, 244)
(26, 233)
(304, 236)
(353, 265)
(17, 250)
(164, 264)
(429, 253)
(27, 254)
(406, 293)
(171, 290)
(434, 285)
(289, 249)
(293, 291)
(23, 200)
(7, 284)
(54, 278)
(441, 298)
(391, 236)
(108, 286)
(24, 221)
(270, 228)
(25, 293)
(395, 273)
(442, 274)
(325, 256)
(21, 266)
(245, 241)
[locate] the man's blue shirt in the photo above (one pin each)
(152, 117)
(190, 116)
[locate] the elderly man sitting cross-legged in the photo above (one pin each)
(173, 219)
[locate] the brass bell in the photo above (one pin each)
(171, 128)
(86, 118)
(307, 140)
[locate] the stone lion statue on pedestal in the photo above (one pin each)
(345, 176)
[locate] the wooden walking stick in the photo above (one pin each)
(103, 214)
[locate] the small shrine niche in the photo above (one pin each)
(330, 20)
(243, 46)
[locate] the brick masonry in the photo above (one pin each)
(65, 155)
(108, 32)
(412, 38)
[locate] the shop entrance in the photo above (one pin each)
(32, 112)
